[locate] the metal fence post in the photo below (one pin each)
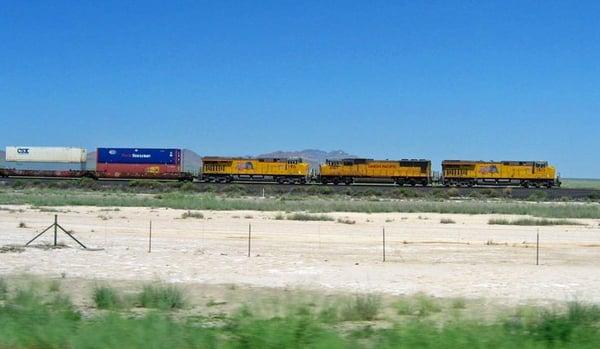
(150, 238)
(383, 233)
(249, 237)
(55, 229)
(537, 248)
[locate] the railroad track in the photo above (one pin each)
(266, 188)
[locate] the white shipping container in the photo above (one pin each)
(46, 154)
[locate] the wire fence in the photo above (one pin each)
(425, 242)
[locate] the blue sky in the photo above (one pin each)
(428, 79)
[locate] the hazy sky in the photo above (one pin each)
(418, 79)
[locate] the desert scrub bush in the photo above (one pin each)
(447, 221)
(22, 225)
(439, 193)
(299, 216)
(87, 183)
(234, 190)
(106, 297)
(453, 192)
(188, 187)
(458, 303)
(54, 286)
(190, 214)
(420, 305)
(532, 222)
(361, 308)
(346, 221)
(538, 196)
(3, 288)
(162, 296)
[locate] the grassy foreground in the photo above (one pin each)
(29, 319)
(193, 201)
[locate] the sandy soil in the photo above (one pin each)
(467, 259)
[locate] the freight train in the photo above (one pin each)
(168, 164)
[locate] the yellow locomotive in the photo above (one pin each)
(348, 171)
(227, 169)
(525, 173)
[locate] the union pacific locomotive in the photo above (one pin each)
(151, 163)
(228, 169)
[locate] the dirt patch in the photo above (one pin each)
(467, 259)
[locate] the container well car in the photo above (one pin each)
(140, 163)
(44, 162)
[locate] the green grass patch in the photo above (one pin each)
(299, 216)
(106, 297)
(3, 288)
(346, 221)
(419, 305)
(362, 308)
(195, 201)
(190, 214)
(532, 222)
(162, 296)
(29, 319)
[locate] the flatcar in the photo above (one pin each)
(469, 173)
(402, 172)
(280, 170)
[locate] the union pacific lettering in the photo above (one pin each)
(382, 166)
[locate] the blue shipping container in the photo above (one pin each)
(138, 156)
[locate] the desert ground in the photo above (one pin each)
(468, 258)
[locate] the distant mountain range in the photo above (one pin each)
(313, 156)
